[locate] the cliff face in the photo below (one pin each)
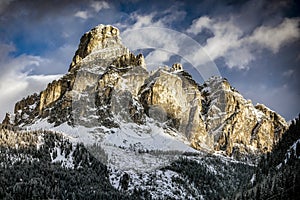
(237, 126)
(170, 95)
(107, 84)
(26, 110)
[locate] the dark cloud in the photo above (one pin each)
(39, 9)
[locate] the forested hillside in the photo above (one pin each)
(44, 165)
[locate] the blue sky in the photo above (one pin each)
(254, 44)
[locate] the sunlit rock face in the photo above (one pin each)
(236, 125)
(213, 116)
(174, 94)
(107, 85)
(99, 39)
(271, 122)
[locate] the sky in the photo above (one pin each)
(254, 44)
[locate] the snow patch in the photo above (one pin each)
(290, 152)
(65, 160)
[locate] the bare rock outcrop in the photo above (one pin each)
(7, 120)
(173, 97)
(236, 125)
(26, 110)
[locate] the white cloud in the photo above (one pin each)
(236, 46)
(275, 37)
(82, 14)
(173, 14)
(143, 33)
(239, 59)
(148, 33)
(94, 8)
(99, 5)
(199, 24)
(15, 81)
(226, 39)
(145, 21)
(157, 58)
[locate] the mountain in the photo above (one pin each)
(107, 85)
(158, 134)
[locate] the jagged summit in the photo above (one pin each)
(97, 39)
(102, 46)
(108, 86)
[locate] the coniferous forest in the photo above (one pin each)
(26, 172)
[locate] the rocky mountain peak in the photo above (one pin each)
(7, 120)
(99, 38)
(217, 83)
(176, 67)
(108, 86)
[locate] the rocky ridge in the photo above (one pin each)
(108, 85)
